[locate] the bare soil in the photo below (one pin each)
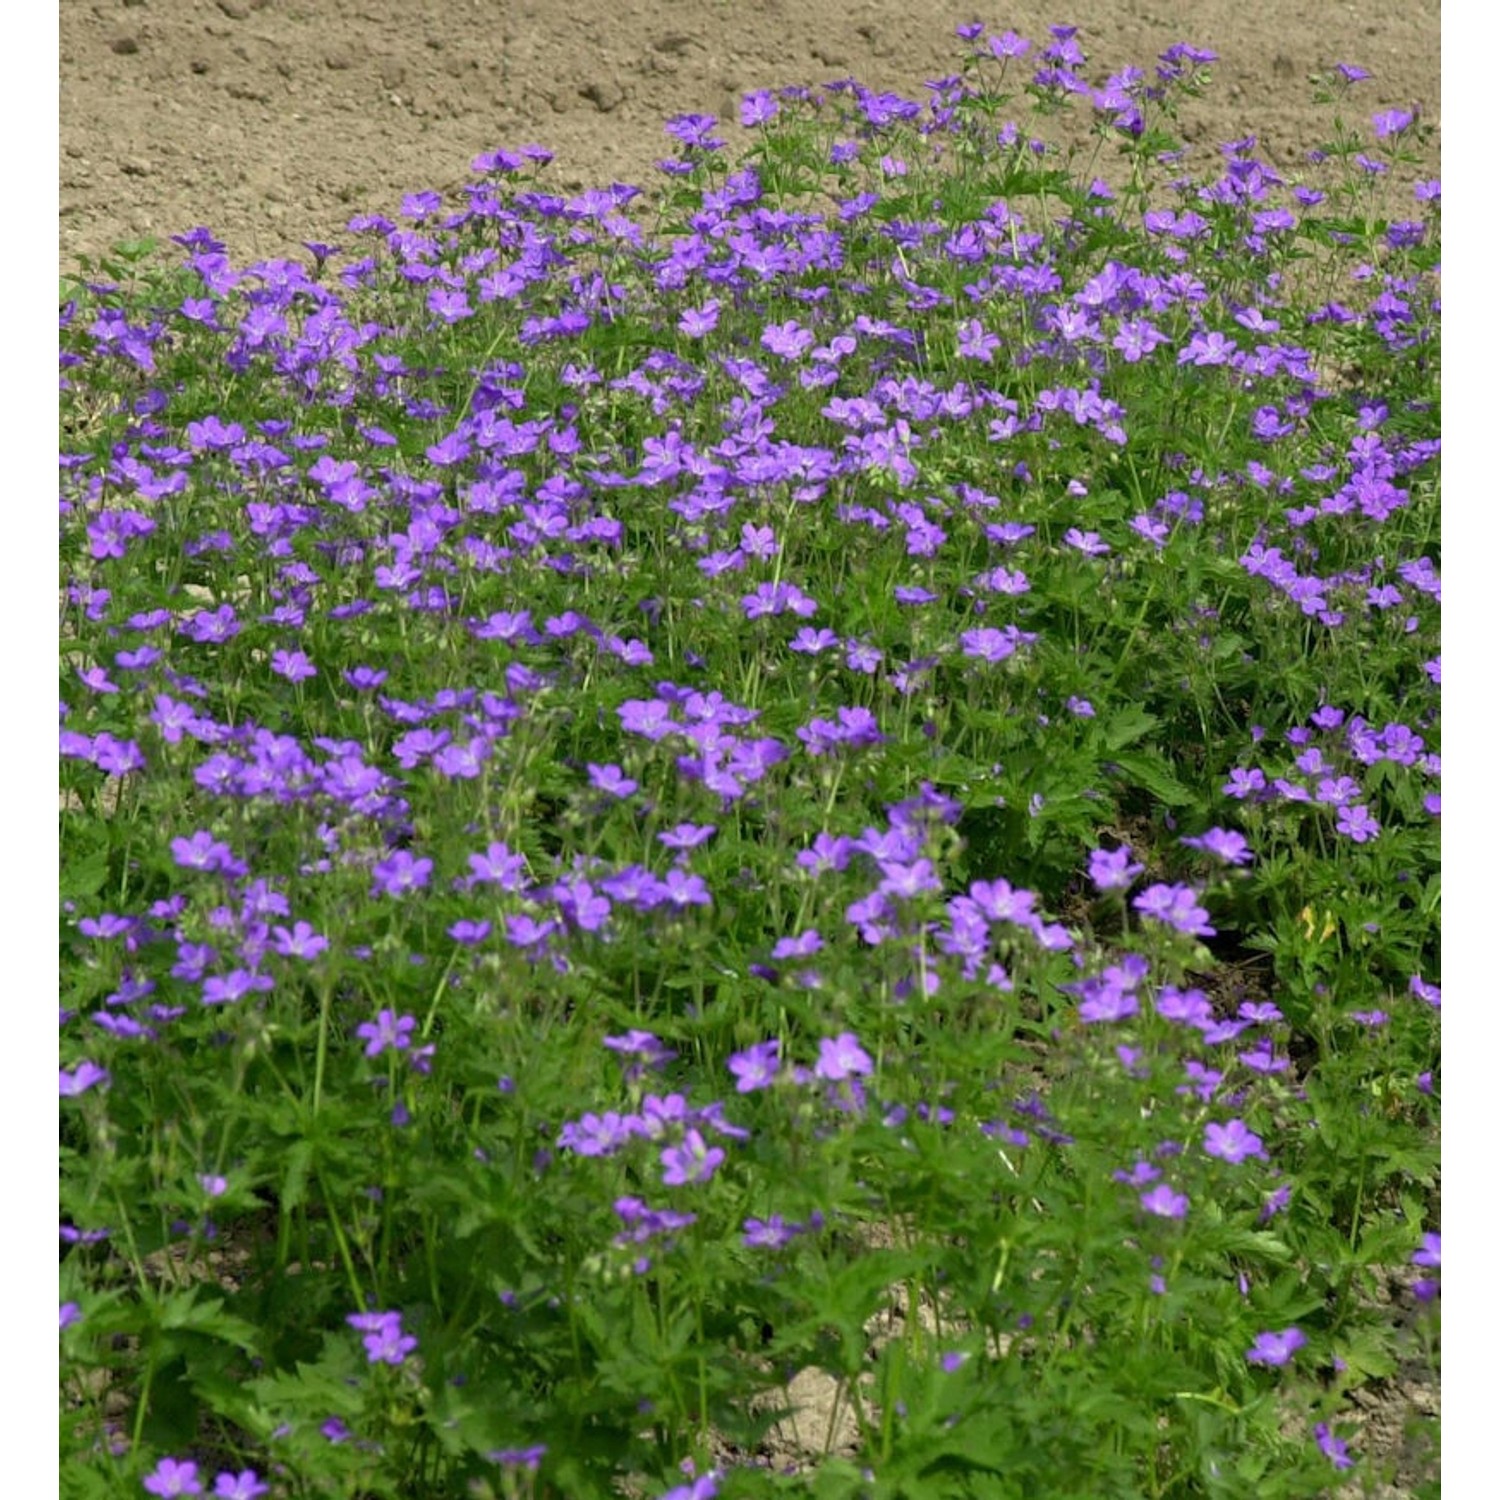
(272, 122)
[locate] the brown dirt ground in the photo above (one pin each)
(275, 121)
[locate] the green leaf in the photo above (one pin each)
(1128, 725)
(84, 878)
(136, 250)
(1150, 772)
(174, 1417)
(1367, 1353)
(837, 1479)
(207, 1316)
(294, 1185)
(75, 1482)
(1260, 1243)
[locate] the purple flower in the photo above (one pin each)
(463, 761)
(450, 306)
(1243, 782)
(211, 625)
(1207, 349)
(1357, 823)
(828, 852)
(809, 642)
(68, 1313)
(1429, 1256)
(1175, 905)
(497, 866)
(692, 1162)
(203, 852)
(226, 989)
(385, 1344)
(999, 901)
(80, 1080)
(695, 322)
(842, 1057)
(686, 835)
(1335, 1449)
(695, 131)
(976, 342)
(987, 644)
(1260, 1012)
(1389, 122)
(1232, 1142)
(524, 931)
(651, 718)
(706, 1487)
(300, 942)
(1275, 1202)
(1087, 542)
(97, 681)
(411, 748)
(1275, 1348)
(1008, 44)
(1338, 791)
(1112, 869)
(401, 873)
(1136, 339)
(680, 889)
(611, 779)
(293, 665)
(758, 108)
(386, 1030)
(1165, 1202)
(1222, 843)
(907, 881)
(72, 1235)
(755, 1068)
(1187, 1007)
(790, 340)
(1262, 1059)
(770, 1234)
(1431, 993)
(519, 1458)
(651, 1050)
(598, 1135)
(170, 1477)
(246, 1485)
(660, 1115)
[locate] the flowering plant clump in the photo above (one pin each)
(827, 774)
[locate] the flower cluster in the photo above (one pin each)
(385, 1342)
(617, 652)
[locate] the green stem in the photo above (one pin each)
(325, 1006)
(437, 994)
(341, 1240)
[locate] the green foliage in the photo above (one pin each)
(980, 1193)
